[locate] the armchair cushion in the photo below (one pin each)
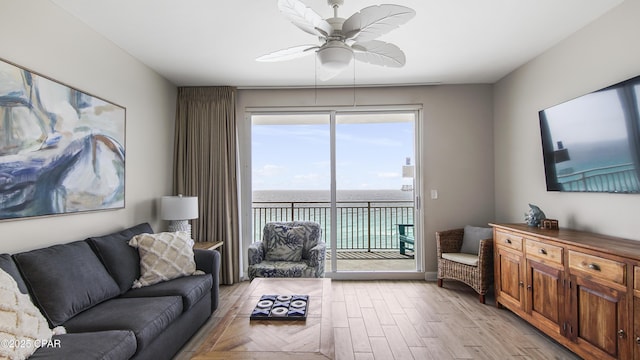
(281, 269)
(285, 243)
(472, 236)
(467, 259)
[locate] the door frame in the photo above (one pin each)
(245, 192)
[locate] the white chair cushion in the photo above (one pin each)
(467, 259)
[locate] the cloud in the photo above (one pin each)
(306, 177)
(270, 170)
(388, 175)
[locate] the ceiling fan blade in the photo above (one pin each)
(304, 18)
(288, 54)
(379, 53)
(376, 20)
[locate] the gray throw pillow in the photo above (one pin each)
(472, 237)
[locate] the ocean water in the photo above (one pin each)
(607, 166)
(366, 219)
(325, 196)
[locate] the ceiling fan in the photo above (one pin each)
(342, 40)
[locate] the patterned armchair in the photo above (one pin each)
(288, 249)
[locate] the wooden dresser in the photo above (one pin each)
(580, 288)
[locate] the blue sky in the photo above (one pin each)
(297, 157)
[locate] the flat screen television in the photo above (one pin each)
(592, 143)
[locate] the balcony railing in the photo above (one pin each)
(363, 225)
(617, 178)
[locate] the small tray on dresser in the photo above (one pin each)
(281, 307)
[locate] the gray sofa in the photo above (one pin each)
(85, 286)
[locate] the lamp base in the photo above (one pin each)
(180, 225)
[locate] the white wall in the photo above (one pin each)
(41, 37)
(457, 154)
(603, 53)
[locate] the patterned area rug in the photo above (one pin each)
(366, 255)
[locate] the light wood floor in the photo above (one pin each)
(414, 320)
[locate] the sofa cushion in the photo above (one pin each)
(103, 345)
(472, 236)
(21, 323)
(65, 279)
(121, 260)
(190, 288)
(146, 317)
(7, 264)
(284, 243)
(163, 257)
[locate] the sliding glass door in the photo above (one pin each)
(352, 172)
(374, 196)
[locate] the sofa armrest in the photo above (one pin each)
(317, 254)
(209, 262)
(449, 241)
(256, 253)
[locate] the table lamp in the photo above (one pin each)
(179, 210)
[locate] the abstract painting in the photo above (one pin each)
(61, 150)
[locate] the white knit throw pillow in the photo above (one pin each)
(23, 328)
(164, 256)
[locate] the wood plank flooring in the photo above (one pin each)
(414, 320)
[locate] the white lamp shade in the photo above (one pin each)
(335, 55)
(179, 207)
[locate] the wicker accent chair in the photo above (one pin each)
(473, 270)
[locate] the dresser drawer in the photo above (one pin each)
(636, 277)
(540, 250)
(598, 267)
(508, 240)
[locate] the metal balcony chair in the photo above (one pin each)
(457, 261)
(406, 238)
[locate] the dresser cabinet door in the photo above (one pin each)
(636, 326)
(635, 340)
(510, 283)
(599, 322)
(545, 296)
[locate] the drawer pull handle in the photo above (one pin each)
(638, 340)
(543, 251)
(508, 241)
(621, 333)
(593, 266)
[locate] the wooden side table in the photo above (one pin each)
(208, 245)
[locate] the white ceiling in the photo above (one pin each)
(214, 42)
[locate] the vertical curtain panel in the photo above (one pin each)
(205, 165)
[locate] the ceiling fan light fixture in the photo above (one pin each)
(335, 55)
